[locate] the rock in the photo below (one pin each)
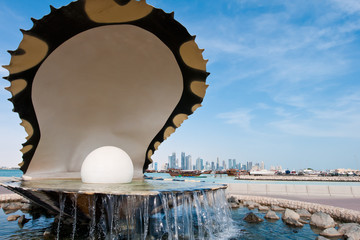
(303, 221)
(303, 213)
(322, 220)
(249, 203)
(321, 238)
(234, 205)
(353, 232)
(252, 218)
(263, 208)
(330, 232)
(251, 206)
(26, 207)
(271, 215)
(232, 199)
(47, 234)
(343, 228)
(22, 220)
(290, 217)
(13, 217)
(277, 208)
(11, 207)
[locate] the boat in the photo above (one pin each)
(206, 172)
(184, 173)
(232, 172)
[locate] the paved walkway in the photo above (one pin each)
(348, 203)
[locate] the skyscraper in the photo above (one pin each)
(248, 166)
(234, 164)
(156, 166)
(230, 166)
(172, 160)
(183, 162)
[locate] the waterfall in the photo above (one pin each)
(198, 214)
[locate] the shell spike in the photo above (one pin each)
(193, 37)
(202, 50)
(207, 74)
(52, 8)
(24, 31)
(34, 20)
(6, 66)
(6, 78)
(10, 99)
(172, 14)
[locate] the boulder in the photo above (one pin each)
(271, 215)
(353, 232)
(251, 206)
(263, 208)
(277, 208)
(252, 218)
(26, 207)
(249, 203)
(344, 227)
(234, 205)
(13, 217)
(303, 221)
(11, 207)
(290, 217)
(22, 220)
(303, 213)
(331, 232)
(322, 220)
(232, 199)
(321, 238)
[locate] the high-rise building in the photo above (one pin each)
(230, 166)
(188, 163)
(262, 165)
(223, 165)
(183, 162)
(234, 164)
(217, 164)
(248, 166)
(199, 164)
(212, 166)
(156, 166)
(172, 161)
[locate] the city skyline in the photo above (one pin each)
(284, 83)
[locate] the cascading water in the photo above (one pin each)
(140, 210)
(171, 215)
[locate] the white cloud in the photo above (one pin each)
(239, 117)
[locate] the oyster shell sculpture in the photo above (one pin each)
(102, 73)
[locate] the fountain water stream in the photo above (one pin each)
(138, 210)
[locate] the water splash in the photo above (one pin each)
(199, 214)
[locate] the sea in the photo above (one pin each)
(35, 228)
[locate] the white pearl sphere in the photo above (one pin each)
(107, 165)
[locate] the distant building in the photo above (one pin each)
(213, 166)
(234, 164)
(248, 166)
(230, 164)
(188, 161)
(172, 161)
(262, 165)
(156, 166)
(183, 161)
(217, 164)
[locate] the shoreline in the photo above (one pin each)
(301, 178)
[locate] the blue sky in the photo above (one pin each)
(284, 83)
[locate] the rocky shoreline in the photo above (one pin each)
(341, 214)
(296, 215)
(300, 178)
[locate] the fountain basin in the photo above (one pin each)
(134, 210)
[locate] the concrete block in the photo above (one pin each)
(237, 188)
(276, 189)
(295, 189)
(257, 189)
(318, 190)
(340, 191)
(355, 191)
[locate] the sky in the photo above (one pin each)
(284, 84)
